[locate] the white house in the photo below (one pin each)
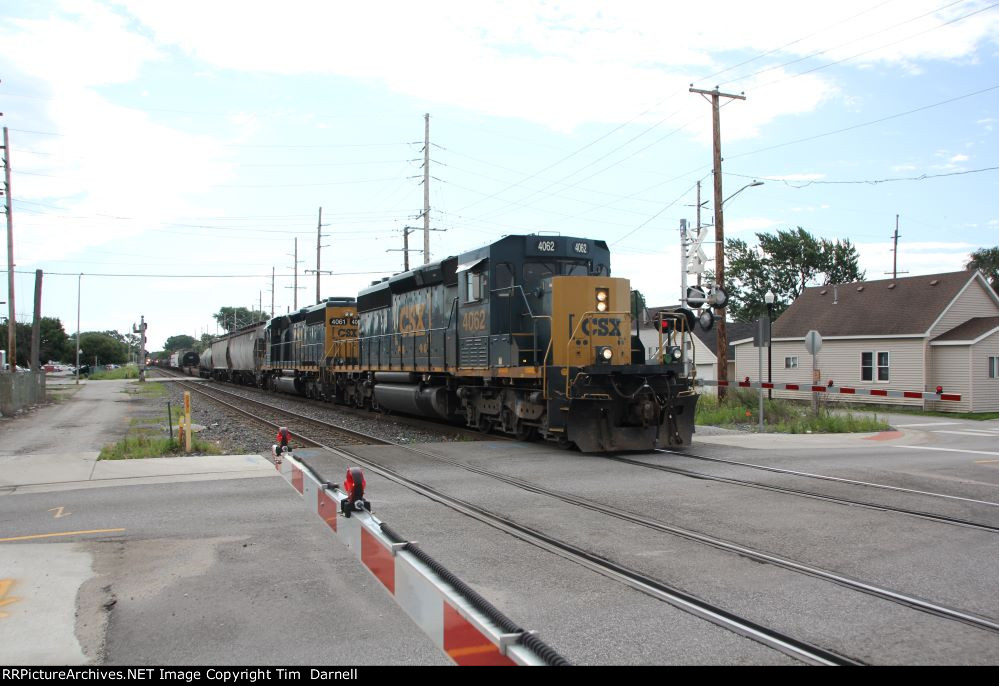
(914, 333)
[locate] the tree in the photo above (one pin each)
(232, 318)
(785, 263)
(179, 342)
(52, 345)
(106, 347)
(987, 260)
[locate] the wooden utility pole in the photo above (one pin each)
(272, 292)
(405, 249)
(319, 249)
(426, 188)
(295, 287)
(719, 227)
(11, 311)
(36, 324)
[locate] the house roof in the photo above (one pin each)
(970, 330)
(887, 307)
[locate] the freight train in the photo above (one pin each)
(529, 336)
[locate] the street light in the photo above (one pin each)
(769, 299)
(748, 185)
(79, 280)
(722, 340)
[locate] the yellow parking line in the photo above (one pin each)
(65, 533)
(985, 461)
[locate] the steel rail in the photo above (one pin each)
(629, 577)
(827, 478)
(930, 516)
(761, 556)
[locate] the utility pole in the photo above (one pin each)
(272, 292)
(36, 324)
(319, 236)
(405, 248)
(426, 189)
(295, 286)
(722, 343)
(11, 317)
(698, 230)
(894, 266)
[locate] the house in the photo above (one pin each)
(914, 333)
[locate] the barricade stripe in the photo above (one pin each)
(466, 645)
(327, 509)
(296, 480)
(844, 390)
(378, 559)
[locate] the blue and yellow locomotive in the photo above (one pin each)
(529, 336)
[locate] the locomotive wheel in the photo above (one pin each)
(485, 425)
(526, 433)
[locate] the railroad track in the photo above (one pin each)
(631, 577)
(931, 516)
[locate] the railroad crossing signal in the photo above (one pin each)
(695, 257)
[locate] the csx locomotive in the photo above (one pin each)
(529, 336)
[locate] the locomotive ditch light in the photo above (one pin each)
(675, 353)
(353, 487)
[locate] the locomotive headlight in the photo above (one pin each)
(603, 295)
(675, 354)
(605, 354)
(601, 307)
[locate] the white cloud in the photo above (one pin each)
(567, 64)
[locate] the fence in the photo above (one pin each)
(19, 390)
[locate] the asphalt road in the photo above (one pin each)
(215, 560)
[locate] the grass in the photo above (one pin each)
(140, 446)
(127, 372)
(741, 410)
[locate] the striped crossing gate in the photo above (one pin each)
(465, 634)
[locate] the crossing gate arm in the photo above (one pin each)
(452, 620)
(835, 390)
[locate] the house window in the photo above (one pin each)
(867, 366)
(994, 367)
(791, 362)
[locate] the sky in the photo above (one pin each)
(172, 153)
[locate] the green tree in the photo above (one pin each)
(987, 260)
(104, 345)
(785, 263)
(232, 318)
(52, 344)
(179, 342)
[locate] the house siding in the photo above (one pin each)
(975, 301)
(839, 360)
(986, 390)
(951, 371)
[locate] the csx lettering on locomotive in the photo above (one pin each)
(410, 318)
(601, 326)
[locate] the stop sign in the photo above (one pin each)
(813, 342)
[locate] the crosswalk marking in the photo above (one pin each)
(906, 426)
(970, 432)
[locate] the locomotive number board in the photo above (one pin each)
(557, 246)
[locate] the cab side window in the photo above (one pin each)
(476, 285)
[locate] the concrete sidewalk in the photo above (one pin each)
(55, 447)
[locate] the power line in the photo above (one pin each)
(867, 123)
(921, 177)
